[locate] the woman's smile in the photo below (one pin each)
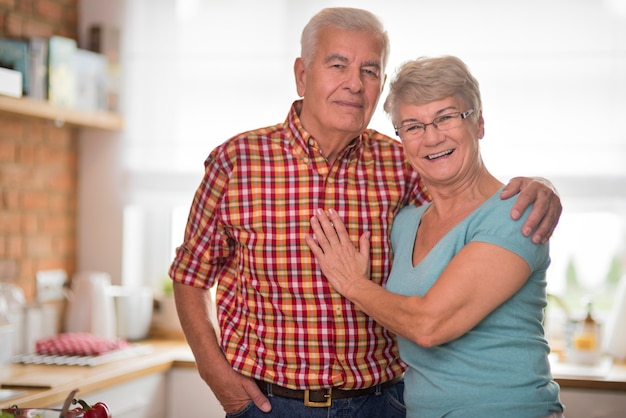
(439, 154)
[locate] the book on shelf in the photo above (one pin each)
(14, 56)
(62, 71)
(91, 81)
(105, 39)
(10, 82)
(38, 68)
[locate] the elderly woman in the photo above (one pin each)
(467, 291)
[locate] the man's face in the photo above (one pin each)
(341, 85)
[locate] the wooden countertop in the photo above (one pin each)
(609, 375)
(56, 382)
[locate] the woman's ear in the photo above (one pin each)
(481, 126)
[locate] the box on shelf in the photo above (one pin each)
(91, 81)
(62, 71)
(14, 56)
(38, 68)
(105, 40)
(10, 82)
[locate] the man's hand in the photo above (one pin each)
(546, 210)
(234, 391)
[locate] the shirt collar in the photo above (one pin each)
(304, 141)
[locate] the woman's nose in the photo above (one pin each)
(432, 135)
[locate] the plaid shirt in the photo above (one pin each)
(280, 320)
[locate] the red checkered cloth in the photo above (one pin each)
(78, 344)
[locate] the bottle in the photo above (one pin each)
(6, 333)
(586, 339)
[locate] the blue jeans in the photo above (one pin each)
(387, 404)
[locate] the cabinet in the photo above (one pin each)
(44, 110)
(580, 403)
(178, 392)
(189, 396)
(139, 398)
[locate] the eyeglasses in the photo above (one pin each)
(441, 123)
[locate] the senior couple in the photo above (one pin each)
(297, 224)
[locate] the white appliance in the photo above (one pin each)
(615, 331)
(133, 311)
(90, 305)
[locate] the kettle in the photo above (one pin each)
(90, 305)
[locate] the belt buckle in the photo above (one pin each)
(314, 404)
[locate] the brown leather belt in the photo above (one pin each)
(321, 397)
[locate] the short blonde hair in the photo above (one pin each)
(426, 80)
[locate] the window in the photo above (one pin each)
(554, 93)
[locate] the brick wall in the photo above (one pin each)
(38, 164)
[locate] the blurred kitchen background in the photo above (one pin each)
(553, 77)
(195, 72)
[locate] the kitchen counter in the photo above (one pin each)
(47, 385)
(44, 385)
(608, 375)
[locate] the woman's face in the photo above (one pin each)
(446, 155)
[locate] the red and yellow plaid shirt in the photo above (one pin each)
(280, 320)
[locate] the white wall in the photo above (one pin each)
(101, 191)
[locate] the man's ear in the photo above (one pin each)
(299, 71)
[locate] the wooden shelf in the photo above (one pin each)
(44, 110)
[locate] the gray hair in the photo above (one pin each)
(426, 80)
(343, 18)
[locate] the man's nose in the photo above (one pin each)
(354, 80)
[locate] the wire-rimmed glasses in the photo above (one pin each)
(441, 123)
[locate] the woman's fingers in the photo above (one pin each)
(323, 228)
